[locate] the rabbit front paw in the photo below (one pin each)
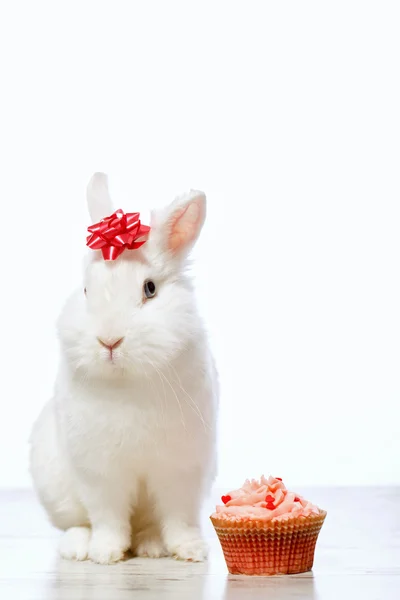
(107, 546)
(74, 543)
(148, 543)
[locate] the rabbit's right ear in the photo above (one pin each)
(98, 197)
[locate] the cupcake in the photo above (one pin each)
(266, 530)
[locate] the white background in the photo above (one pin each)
(287, 115)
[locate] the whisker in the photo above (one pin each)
(193, 405)
(161, 374)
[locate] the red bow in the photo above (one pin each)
(115, 233)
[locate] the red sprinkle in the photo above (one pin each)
(226, 499)
(297, 499)
(278, 478)
(271, 506)
(269, 498)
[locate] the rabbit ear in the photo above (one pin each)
(98, 197)
(177, 227)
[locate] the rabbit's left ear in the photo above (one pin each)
(177, 227)
(98, 197)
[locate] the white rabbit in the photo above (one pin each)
(123, 455)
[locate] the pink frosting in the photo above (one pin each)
(267, 499)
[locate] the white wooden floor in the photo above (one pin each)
(358, 557)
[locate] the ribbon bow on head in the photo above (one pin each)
(120, 231)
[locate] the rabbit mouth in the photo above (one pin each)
(110, 360)
(113, 360)
(109, 367)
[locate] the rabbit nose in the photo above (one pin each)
(111, 344)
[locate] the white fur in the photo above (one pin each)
(124, 453)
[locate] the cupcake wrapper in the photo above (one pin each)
(257, 547)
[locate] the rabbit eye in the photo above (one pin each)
(84, 291)
(149, 288)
